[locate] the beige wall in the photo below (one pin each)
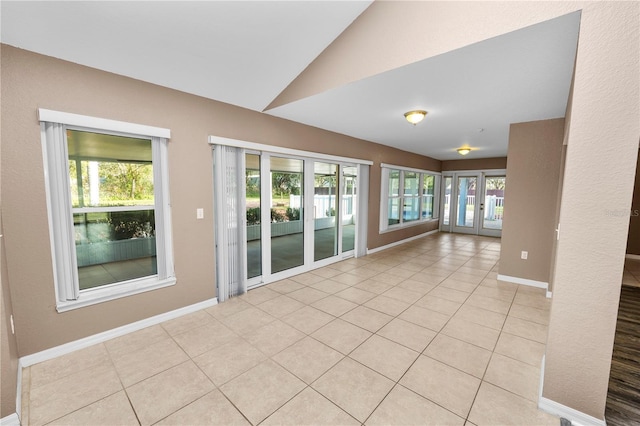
(531, 196)
(31, 81)
(475, 164)
(633, 242)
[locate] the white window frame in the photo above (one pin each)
(385, 197)
(53, 125)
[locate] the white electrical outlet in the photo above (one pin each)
(199, 213)
(524, 255)
(13, 328)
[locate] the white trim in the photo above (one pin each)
(523, 281)
(10, 420)
(217, 140)
(101, 123)
(577, 418)
(397, 243)
(85, 342)
(486, 172)
(408, 169)
(549, 294)
(632, 256)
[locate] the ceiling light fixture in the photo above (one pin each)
(415, 116)
(464, 151)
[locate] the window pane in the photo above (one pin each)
(411, 183)
(394, 183)
(394, 211)
(410, 209)
(254, 232)
(447, 200)
(428, 182)
(107, 170)
(325, 239)
(114, 246)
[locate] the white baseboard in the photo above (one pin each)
(549, 294)
(632, 256)
(523, 281)
(10, 420)
(85, 342)
(577, 418)
(397, 243)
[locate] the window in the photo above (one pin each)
(408, 197)
(108, 206)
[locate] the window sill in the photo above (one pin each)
(393, 228)
(113, 292)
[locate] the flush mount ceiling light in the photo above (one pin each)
(464, 151)
(415, 116)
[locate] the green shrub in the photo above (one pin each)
(293, 214)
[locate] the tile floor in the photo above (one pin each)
(422, 333)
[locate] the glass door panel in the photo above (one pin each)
(493, 206)
(348, 210)
(254, 234)
(287, 213)
(325, 234)
(446, 212)
(466, 203)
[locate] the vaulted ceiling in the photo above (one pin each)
(249, 53)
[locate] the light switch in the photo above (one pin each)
(199, 213)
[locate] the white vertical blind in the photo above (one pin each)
(231, 241)
(363, 209)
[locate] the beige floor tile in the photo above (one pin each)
(444, 385)
(286, 286)
(273, 337)
(538, 301)
(354, 388)
(187, 322)
(373, 286)
(407, 269)
(403, 295)
(416, 286)
(260, 391)
(326, 272)
(481, 316)
(470, 268)
(308, 359)
(25, 396)
(211, 409)
(449, 294)
(356, 295)
(404, 407)
(228, 307)
(438, 304)
(228, 361)
(156, 397)
(308, 319)
(494, 305)
(247, 320)
(495, 406)
(280, 306)
(495, 293)
(388, 278)
(407, 334)
(364, 271)
(384, 356)
(201, 339)
(310, 408)
(462, 355)
(307, 295)
(430, 276)
(367, 318)
(57, 368)
(349, 279)
(333, 305)
(458, 285)
(527, 329)
(528, 313)
(307, 278)
(136, 340)
(330, 286)
(387, 305)
(469, 332)
(112, 410)
(259, 295)
(70, 393)
(341, 336)
(514, 376)
(134, 367)
(525, 350)
(425, 318)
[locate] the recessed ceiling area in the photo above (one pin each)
(246, 53)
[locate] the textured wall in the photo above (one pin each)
(475, 164)
(31, 81)
(531, 196)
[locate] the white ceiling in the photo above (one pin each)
(247, 53)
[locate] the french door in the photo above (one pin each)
(473, 202)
